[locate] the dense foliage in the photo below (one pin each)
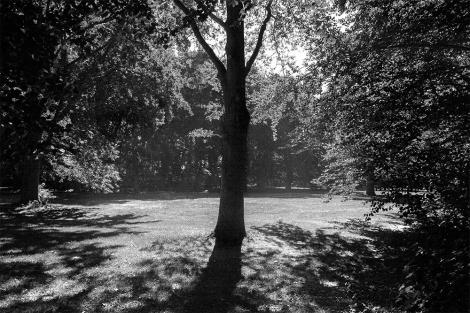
(90, 100)
(398, 107)
(43, 45)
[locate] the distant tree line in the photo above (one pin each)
(121, 147)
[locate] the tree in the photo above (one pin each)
(397, 107)
(39, 42)
(230, 228)
(124, 95)
(279, 105)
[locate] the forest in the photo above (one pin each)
(233, 98)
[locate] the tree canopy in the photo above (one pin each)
(129, 96)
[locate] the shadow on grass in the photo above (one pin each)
(36, 231)
(359, 271)
(45, 252)
(280, 268)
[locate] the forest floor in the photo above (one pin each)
(154, 253)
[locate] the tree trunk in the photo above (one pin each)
(230, 228)
(30, 178)
(370, 184)
(197, 166)
(31, 168)
(165, 164)
(212, 181)
(289, 173)
(262, 163)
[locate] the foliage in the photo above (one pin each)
(37, 39)
(398, 83)
(279, 105)
(437, 275)
(101, 76)
(91, 168)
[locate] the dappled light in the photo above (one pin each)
(70, 259)
(234, 156)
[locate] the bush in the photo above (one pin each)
(437, 277)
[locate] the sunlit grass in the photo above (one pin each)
(151, 253)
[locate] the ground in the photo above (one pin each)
(155, 253)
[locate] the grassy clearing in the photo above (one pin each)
(153, 253)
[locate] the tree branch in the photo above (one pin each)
(100, 22)
(106, 47)
(207, 48)
(259, 42)
(214, 17)
(218, 20)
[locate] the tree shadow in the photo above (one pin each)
(281, 268)
(214, 289)
(353, 267)
(357, 271)
(30, 231)
(45, 255)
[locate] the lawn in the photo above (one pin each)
(155, 253)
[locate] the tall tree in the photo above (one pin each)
(37, 40)
(399, 86)
(230, 228)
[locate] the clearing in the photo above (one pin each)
(154, 253)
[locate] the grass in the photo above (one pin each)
(154, 253)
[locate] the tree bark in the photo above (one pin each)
(289, 173)
(262, 162)
(212, 181)
(197, 166)
(230, 228)
(31, 167)
(30, 178)
(370, 184)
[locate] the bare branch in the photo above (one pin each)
(207, 48)
(259, 43)
(218, 64)
(218, 20)
(182, 7)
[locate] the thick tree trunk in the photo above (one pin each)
(31, 168)
(230, 228)
(30, 178)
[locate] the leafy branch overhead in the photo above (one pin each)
(206, 9)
